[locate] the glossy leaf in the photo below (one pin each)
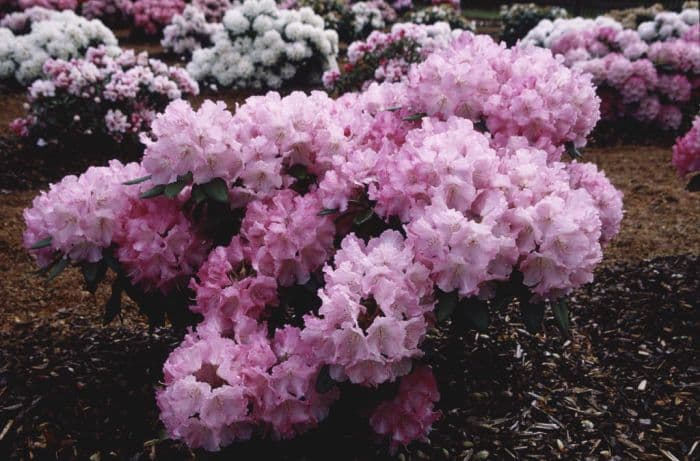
(43, 243)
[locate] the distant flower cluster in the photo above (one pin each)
(43, 35)
(441, 13)
(188, 32)
(101, 95)
(388, 56)
(261, 46)
(518, 18)
(655, 83)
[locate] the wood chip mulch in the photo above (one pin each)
(624, 386)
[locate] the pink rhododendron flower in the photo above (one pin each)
(410, 415)
(81, 214)
(157, 245)
(686, 151)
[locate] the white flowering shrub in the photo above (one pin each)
(189, 31)
(441, 13)
(62, 35)
(261, 46)
(352, 21)
(668, 24)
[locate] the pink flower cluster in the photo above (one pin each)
(118, 97)
(557, 107)
(686, 151)
(58, 5)
(151, 16)
(81, 214)
(656, 84)
(387, 56)
(410, 415)
(355, 214)
(107, 10)
(157, 245)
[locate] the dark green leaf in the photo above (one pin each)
(324, 382)
(363, 217)
(476, 312)
(414, 117)
(573, 152)
(561, 313)
(114, 303)
(446, 304)
(198, 194)
(298, 171)
(153, 192)
(137, 180)
(694, 184)
(93, 274)
(41, 244)
(327, 211)
(216, 189)
(171, 190)
(394, 109)
(481, 126)
(532, 315)
(57, 268)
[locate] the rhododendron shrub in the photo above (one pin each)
(387, 56)
(262, 46)
(441, 13)
(668, 24)
(213, 10)
(111, 12)
(58, 5)
(350, 20)
(151, 16)
(188, 32)
(102, 96)
(40, 35)
(655, 84)
(338, 232)
(519, 18)
(686, 155)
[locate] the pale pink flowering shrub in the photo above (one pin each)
(151, 16)
(58, 5)
(686, 151)
(654, 83)
(100, 95)
(387, 56)
(343, 230)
